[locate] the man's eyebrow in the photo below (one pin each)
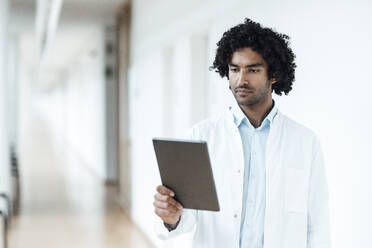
(248, 66)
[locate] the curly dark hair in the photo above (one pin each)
(272, 46)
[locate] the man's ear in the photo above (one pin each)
(273, 81)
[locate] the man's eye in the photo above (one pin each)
(254, 70)
(234, 69)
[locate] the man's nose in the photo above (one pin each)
(243, 78)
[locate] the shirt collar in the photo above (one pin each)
(240, 117)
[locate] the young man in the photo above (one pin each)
(268, 169)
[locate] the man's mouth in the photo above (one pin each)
(243, 91)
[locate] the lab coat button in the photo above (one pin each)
(235, 215)
(238, 171)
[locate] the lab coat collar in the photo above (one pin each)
(240, 117)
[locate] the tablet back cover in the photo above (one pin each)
(185, 168)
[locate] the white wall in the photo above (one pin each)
(4, 138)
(331, 94)
(74, 100)
(12, 94)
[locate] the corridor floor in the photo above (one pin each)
(63, 203)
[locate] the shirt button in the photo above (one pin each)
(238, 171)
(235, 216)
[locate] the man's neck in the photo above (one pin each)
(257, 113)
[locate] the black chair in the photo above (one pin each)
(4, 217)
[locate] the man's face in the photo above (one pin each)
(248, 77)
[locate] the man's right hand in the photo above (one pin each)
(166, 207)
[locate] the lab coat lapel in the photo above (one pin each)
(274, 149)
(273, 210)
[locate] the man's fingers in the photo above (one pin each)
(160, 204)
(166, 205)
(164, 190)
(162, 212)
(168, 199)
(165, 198)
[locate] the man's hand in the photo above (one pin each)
(168, 209)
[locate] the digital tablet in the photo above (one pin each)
(185, 168)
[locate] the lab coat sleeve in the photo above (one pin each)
(186, 224)
(318, 212)
(188, 218)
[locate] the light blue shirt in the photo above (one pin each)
(254, 187)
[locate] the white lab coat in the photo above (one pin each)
(296, 214)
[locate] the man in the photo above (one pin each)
(268, 169)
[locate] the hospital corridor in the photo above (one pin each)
(67, 206)
(86, 86)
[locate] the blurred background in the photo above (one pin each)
(86, 84)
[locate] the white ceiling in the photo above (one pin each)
(77, 26)
(73, 11)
